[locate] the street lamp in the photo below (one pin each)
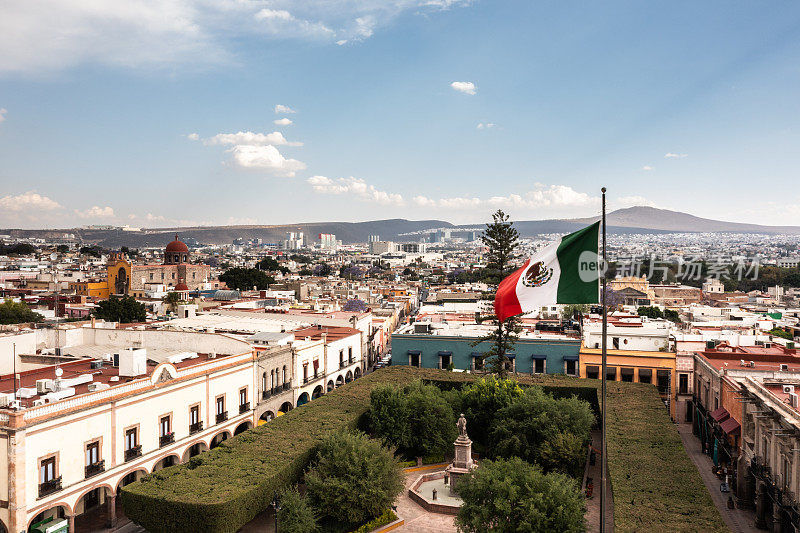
(276, 506)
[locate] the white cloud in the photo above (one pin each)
(282, 109)
(356, 187)
(275, 138)
(648, 168)
(265, 157)
(466, 87)
(51, 35)
(282, 122)
(634, 201)
(95, 212)
(672, 155)
(488, 125)
(3, 113)
(193, 137)
(29, 201)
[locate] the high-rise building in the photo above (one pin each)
(327, 241)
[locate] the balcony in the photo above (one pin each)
(133, 453)
(265, 395)
(95, 468)
(196, 427)
(222, 417)
(342, 364)
(49, 487)
(306, 380)
(243, 408)
(166, 439)
(352, 360)
(287, 385)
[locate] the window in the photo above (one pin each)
(93, 453)
(538, 366)
(350, 353)
(194, 414)
(243, 396)
(341, 357)
(645, 375)
(164, 426)
(615, 342)
(572, 368)
(47, 470)
(221, 404)
(683, 383)
(151, 276)
(626, 374)
(173, 275)
(305, 372)
(130, 439)
(593, 372)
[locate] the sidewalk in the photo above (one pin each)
(738, 520)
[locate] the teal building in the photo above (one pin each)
(534, 355)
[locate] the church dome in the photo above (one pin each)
(181, 287)
(177, 246)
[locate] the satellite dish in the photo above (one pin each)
(53, 256)
(59, 372)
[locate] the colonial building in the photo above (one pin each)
(177, 272)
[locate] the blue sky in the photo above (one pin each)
(158, 113)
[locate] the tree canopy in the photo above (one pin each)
(416, 419)
(296, 514)
(12, 312)
(353, 478)
(123, 310)
(270, 264)
(244, 279)
(22, 248)
(354, 305)
(481, 401)
(513, 496)
(542, 429)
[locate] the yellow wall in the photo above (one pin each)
(113, 271)
(94, 289)
(633, 359)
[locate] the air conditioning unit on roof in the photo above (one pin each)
(788, 389)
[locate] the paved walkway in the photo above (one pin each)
(738, 520)
(593, 503)
(418, 519)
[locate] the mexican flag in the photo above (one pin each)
(565, 272)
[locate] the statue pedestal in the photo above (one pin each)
(462, 463)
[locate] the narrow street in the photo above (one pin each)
(738, 520)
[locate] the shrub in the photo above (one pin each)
(295, 514)
(353, 478)
(387, 517)
(512, 495)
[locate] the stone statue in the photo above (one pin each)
(462, 426)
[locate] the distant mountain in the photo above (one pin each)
(650, 218)
(639, 219)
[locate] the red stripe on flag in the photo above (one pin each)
(506, 303)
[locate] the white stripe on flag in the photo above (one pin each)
(546, 294)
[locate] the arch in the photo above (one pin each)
(166, 462)
(357, 373)
(3, 528)
(303, 399)
(349, 377)
(266, 416)
(131, 477)
(317, 392)
(241, 428)
(194, 450)
(219, 438)
(330, 386)
(339, 381)
(58, 510)
(285, 407)
(92, 508)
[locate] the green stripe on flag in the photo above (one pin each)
(579, 282)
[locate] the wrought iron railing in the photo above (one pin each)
(243, 408)
(95, 468)
(166, 438)
(196, 427)
(50, 486)
(133, 453)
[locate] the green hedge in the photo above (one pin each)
(656, 486)
(387, 517)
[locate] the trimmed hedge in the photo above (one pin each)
(656, 486)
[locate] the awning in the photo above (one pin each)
(476, 354)
(539, 357)
(414, 352)
(731, 427)
(645, 373)
(445, 352)
(626, 371)
(720, 414)
(570, 358)
(511, 355)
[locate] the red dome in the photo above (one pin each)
(181, 286)
(177, 246)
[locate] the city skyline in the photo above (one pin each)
(285, 112)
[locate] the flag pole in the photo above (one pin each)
(603, 382)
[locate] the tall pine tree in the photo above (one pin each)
(502, 239)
